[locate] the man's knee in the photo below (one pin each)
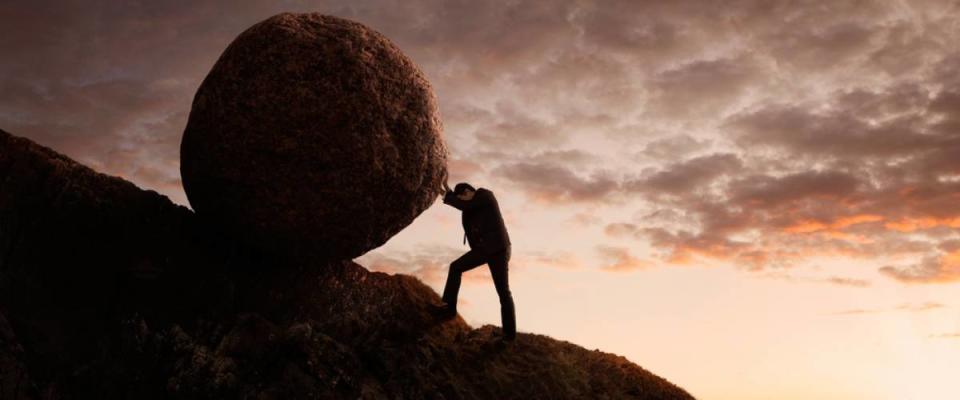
(456, 267)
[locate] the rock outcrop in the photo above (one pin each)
(110, 291)
(313, 136)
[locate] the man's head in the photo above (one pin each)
(464, 191)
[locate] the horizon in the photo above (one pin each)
(752, 200)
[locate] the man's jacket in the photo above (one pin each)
(482, 222)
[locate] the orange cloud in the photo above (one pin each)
(942, 269)
(808, 226)
(848, 237)
(620, 259)
(906, 307)
(915, 224)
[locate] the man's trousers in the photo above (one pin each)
(498, 269)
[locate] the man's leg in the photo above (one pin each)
(499, 270)
(466, 262)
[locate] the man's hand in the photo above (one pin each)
(446, 186)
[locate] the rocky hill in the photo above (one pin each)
(110, 291)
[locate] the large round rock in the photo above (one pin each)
(313, 136)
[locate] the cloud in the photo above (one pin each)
(558, 259)
(920, 307)
(619, 259)
(934, 269)
(554, 183)
(693, 175)
(462, 170)
(836, 280)
(681, 247)
(843, 131)
(906, 307)
(429, 263)
(862, 172)
(832, 280)
(806, 49)
(674, 147)
(954, 335)
(585, 219)
(855, 311)
(566, 156)
(701, 86)
(792, 190)
(514, 130)
(621, 229)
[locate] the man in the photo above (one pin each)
(489, 243)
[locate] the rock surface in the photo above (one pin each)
(109, 291)
(313, 136)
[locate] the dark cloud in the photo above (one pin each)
(807, 48)
(701, 86)
(513, 130)
(674, 147)
(848, 130)
(110, 85)
(553, 183)
(692, 175)
(793, 190)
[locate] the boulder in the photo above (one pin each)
(313, 136)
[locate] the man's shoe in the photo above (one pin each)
(503, 342)
(444, 311)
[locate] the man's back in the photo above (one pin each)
(482, 221)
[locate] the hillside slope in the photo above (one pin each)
(110, 291)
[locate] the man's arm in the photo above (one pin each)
(450, 198)
(445, 188)
(480, 198)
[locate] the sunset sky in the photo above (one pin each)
(752, 199)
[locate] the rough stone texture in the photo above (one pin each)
(108, 291)
(313, 136)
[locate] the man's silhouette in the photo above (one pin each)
(489, 243)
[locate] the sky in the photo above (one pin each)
(752, 199)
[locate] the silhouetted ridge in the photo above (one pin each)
(110, 291)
